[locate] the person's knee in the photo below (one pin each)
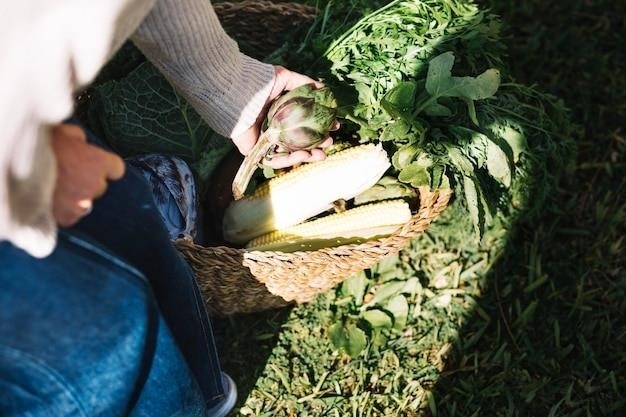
(89, 320)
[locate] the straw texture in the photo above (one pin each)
(240, 281)
(261, 27)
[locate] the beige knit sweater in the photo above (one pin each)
(50, 48)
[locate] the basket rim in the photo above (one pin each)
(301, 275)
(441, 199)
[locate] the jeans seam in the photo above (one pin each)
(103, 254)
(208, 347)
(200, 313)
(50, 372)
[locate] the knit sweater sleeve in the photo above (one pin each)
(186, 42)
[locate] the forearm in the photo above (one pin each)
(185, 40)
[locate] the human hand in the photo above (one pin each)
(285, 80)
(82, 173)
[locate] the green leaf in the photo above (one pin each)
(415, 174)
(385, 291)
(142, 113)
(390, 262)
(348, 337)
(476, 149)
(460, 161)
(498, 163)
(379, 338)
(441, 83)
(404, 156)
(400, 100)
(211, 156)
(437, 174)
(477, 205)
(436, 109)
(355, 286)
(515, 139)
(397, 130)
(386, 189)
(378, 318)
(475, 88)
(471, 110)
(438, 79)
(399, 308)
(485, 209)
(445, 183)
(473, 202)
(412, 286)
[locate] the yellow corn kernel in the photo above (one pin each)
(355, 225)
(304, 192)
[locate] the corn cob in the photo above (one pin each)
(355, 225)
(304, 192)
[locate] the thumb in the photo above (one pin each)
(114, 167)
(247, 139)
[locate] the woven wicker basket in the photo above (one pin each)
(239, 281)
(261, 27)
(235, 280)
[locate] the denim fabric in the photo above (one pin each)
(85, 344)
(110, 324)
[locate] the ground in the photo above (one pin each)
(546, 333)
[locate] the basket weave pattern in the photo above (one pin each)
(300, 276)
(260, 27)
(234, 280)
(240, 281)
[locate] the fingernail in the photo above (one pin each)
(86, 205)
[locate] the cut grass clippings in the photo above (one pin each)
(544, 332)
(532, 325)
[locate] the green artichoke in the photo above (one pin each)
(298, 120)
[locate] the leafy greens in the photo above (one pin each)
(395, 68)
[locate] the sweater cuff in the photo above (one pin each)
(235, 107)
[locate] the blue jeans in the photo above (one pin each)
(110, 324)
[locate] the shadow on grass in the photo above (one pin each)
(548, 331)
(454, 394)
(245, 342)
(537, 188)
(550, 336)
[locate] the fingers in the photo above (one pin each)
(85, 206)
(287, 160)
(114, 167)
(246, 140)
(110, 164)
(285, 80)
(295, 158)
(74, 200)
(327, 142)
(316, 155)
(68, 131)
(83, 172)
(68, 215)
(288, 80)
(299, 157)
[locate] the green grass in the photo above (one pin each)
(534, 328)
(543, 333)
